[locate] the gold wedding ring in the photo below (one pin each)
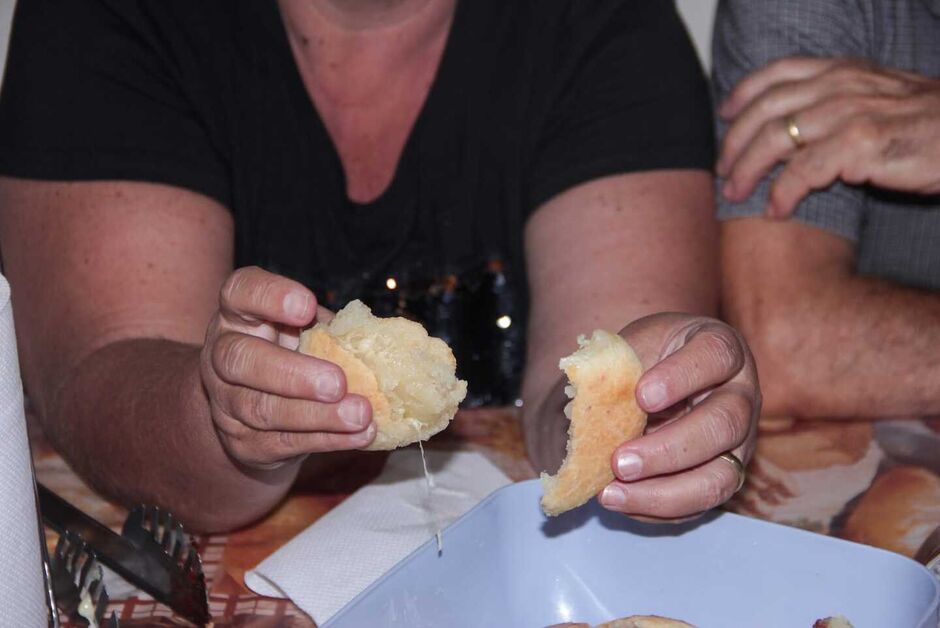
(794, 132)
(735, 462)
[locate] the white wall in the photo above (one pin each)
(6, 14)
(699, 16)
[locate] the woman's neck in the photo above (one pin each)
(360, 15)
(350, 46)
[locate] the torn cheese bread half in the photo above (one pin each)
(408, 377)
(603, 410)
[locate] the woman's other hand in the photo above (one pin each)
(701, 391)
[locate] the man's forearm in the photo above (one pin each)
(134, 420)
(856, 347)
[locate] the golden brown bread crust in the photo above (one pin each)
(407, 376)
(359, 379)
(833, 622)
(645, 621)
(894, 513)
(604, 413)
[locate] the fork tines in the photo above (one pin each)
(167, 532)
(76, 574)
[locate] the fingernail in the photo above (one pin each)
(353, 414)
(653, 395)
(327, 386)
(613, 497)
(629, 466)
(295, 305)
(368, 435)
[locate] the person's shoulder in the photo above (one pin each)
(813, 21)
(749, 34)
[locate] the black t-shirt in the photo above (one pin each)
(531, 98)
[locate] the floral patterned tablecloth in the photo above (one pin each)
(871, 482)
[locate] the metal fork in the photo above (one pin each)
(147, 525)
(77, 576)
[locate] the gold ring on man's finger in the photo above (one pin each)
(735, 462)
(794, 132)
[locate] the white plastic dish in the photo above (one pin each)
(505, 564)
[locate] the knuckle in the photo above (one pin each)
(732, 142)
(844, 73)
(225, 424)
(771, 132)
(233, 286)
(294, 374)
(715, 490)
(246, 288)
(722, 347)
(801, 168)
(671, 454)
(729, 419)
(766, 104)
(842, 104)
(233, 355)
(657, 500)
(254, 408)
(244, 451)
(286, 442)
(862, 131)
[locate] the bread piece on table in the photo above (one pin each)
(898, 512)
(604, 413)
(833, 622)
(645, 621)
(634, 621)
(408, 377)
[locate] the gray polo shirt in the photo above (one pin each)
(897, 236)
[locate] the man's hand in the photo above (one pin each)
(854, 122)
(701, 390)
(270, 404)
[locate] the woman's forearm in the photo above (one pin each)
(133, 419)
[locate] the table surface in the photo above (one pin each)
(871, 482)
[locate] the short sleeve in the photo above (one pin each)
(748, 35)
(630, 96)
(88, 95)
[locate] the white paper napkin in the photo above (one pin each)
(22, 592)
(329, 563)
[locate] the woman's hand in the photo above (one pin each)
(830, 119)
(270, 404)
(700, 389)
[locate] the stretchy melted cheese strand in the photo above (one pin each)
(430, 482)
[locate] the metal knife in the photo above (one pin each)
(181, 587)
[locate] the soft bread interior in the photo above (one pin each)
(602, 376)
(408, 376)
